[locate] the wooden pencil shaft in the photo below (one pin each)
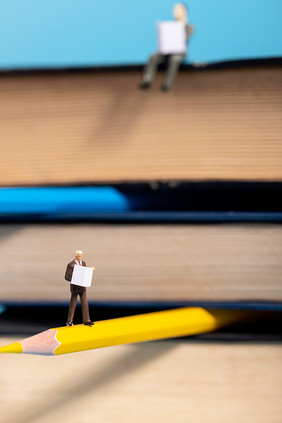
(146, 327)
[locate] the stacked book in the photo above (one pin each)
(220, 126)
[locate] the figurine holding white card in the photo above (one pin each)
(172, 45)
(79, 277)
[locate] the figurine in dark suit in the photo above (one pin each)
(174, 60)
(77, 290)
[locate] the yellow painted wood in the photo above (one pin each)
(146, 327)
(12, 348)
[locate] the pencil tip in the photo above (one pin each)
(12, 348)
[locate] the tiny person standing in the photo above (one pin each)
(77, 290)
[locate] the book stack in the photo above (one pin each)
(217, 127)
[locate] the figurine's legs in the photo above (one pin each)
(173, 66)
(151, 67)
(73, 302)
(84, 306)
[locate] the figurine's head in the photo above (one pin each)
(180, 12)
(78, 255)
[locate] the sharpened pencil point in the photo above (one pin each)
(12, 348)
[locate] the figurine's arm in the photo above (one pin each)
(69, 271)
(189, 30)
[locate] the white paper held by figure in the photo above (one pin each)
(82, 276)
(171, 37)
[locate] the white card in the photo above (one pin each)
(82, 276)
(172, 37)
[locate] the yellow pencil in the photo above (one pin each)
(124, 330)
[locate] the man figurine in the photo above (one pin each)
(174, 60)
(77, 290)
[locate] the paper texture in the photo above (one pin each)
(82, 276)
(171, 36)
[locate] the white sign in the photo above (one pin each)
(82, 276)
(172, 37)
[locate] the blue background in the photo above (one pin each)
(60, 33)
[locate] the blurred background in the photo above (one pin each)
(174, 196)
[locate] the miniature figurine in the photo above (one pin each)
(77, 290)
(174, 60)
